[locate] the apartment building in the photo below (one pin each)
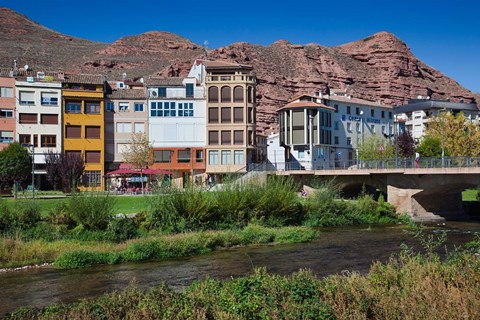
(39, 118)
(83, 124)
(231, 112)
(125, 114)
(176, 126)
(7, 108)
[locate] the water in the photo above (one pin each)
(337, 250)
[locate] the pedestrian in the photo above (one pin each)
(417, 159)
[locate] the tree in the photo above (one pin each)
(406, 144)
(430, 147)
(368, 150)
(15, 165)
(139, 154)
(71, 168)
(461, 136)
(52, 167)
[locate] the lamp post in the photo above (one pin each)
(443, 137)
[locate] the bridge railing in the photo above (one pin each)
(402, 163)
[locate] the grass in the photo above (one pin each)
(123, 204)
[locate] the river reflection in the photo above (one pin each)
(336, 250)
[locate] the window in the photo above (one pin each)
(238, 137)
(349, 126)
(357, 111)
(6, 92)
(110, 106)
(199, 155)
(162, 92)
(335, 125)
(124, 127)
(49, 99)
(250, 94)
(251, 115)
(238, 157)
(6, 136)
(390, 114)
(226, 94)
(250, 137)
(348, 110)
(212, 137)
(92, 179)
(185, 109)
(49, 119)
(372, 128)
(226, 157)
(357, 125)
(48, 141)
(189, 90)
(92, 107)
(335, 139)
(92, 132)
(27, 97)
(238, 94)
(226, 137)
(349, 141)
(213, 157)
(226, 115)
(213, 115)
(6, 113)
(213, 94)
(35, 140)
(301, 154)
(184, 156)
(24, 138)
(92, 156)
(372, 113)
(27, 118)
(156, 109)
(169, 109)
(138, 107)
(73, 107)
(139, 127)
(336, 107)
(162, 156)
(73, 132)
(238, 115)
(383, 114)
(123, 107)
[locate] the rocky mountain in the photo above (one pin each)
(378, 68)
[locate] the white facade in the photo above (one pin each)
(177, 120)
(275, 153)
(39, 116)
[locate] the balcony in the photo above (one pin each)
(231, 78)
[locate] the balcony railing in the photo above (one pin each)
(230, 78)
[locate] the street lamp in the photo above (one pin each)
(443, 136)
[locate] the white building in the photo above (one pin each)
(39, 117)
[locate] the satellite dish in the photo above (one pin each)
(26, 67)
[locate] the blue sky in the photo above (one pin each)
(444, 34)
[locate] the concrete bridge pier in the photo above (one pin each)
(423, 205)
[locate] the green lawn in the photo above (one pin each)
(123, 204)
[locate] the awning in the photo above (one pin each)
(148, 171)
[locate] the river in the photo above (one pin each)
(335, 251)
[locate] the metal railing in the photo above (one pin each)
(403, 163)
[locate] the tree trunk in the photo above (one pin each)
(141, 180)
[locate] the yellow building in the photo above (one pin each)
(83, 125)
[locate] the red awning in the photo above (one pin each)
(148, 171)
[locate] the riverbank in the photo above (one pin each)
(408, 286)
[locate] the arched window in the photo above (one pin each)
(238, 94)
(226, 94)
(213, 94)
(250, 94)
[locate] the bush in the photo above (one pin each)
(59, 215)
(121, 229)
(78, 259)
(94, 211)
(6, 216)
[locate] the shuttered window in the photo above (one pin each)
(238, 115)
(92, 132)
(48, 141)
(226, 94)
(27, 118)
(226, 137)
(213, 115)
(238, 137)
(73, 132)
(238, 94)
(226, 115)
(92, 156)
(213, 137)
(49, 118)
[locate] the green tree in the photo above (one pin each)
(139, 154)
(15, 165)
(461, 136)
(430, 147)
(368, 150)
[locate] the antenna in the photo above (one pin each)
(205, 46)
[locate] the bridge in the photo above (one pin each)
(430, 190)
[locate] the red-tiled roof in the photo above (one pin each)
(83, 78)
(164, 81)
(128, 94)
